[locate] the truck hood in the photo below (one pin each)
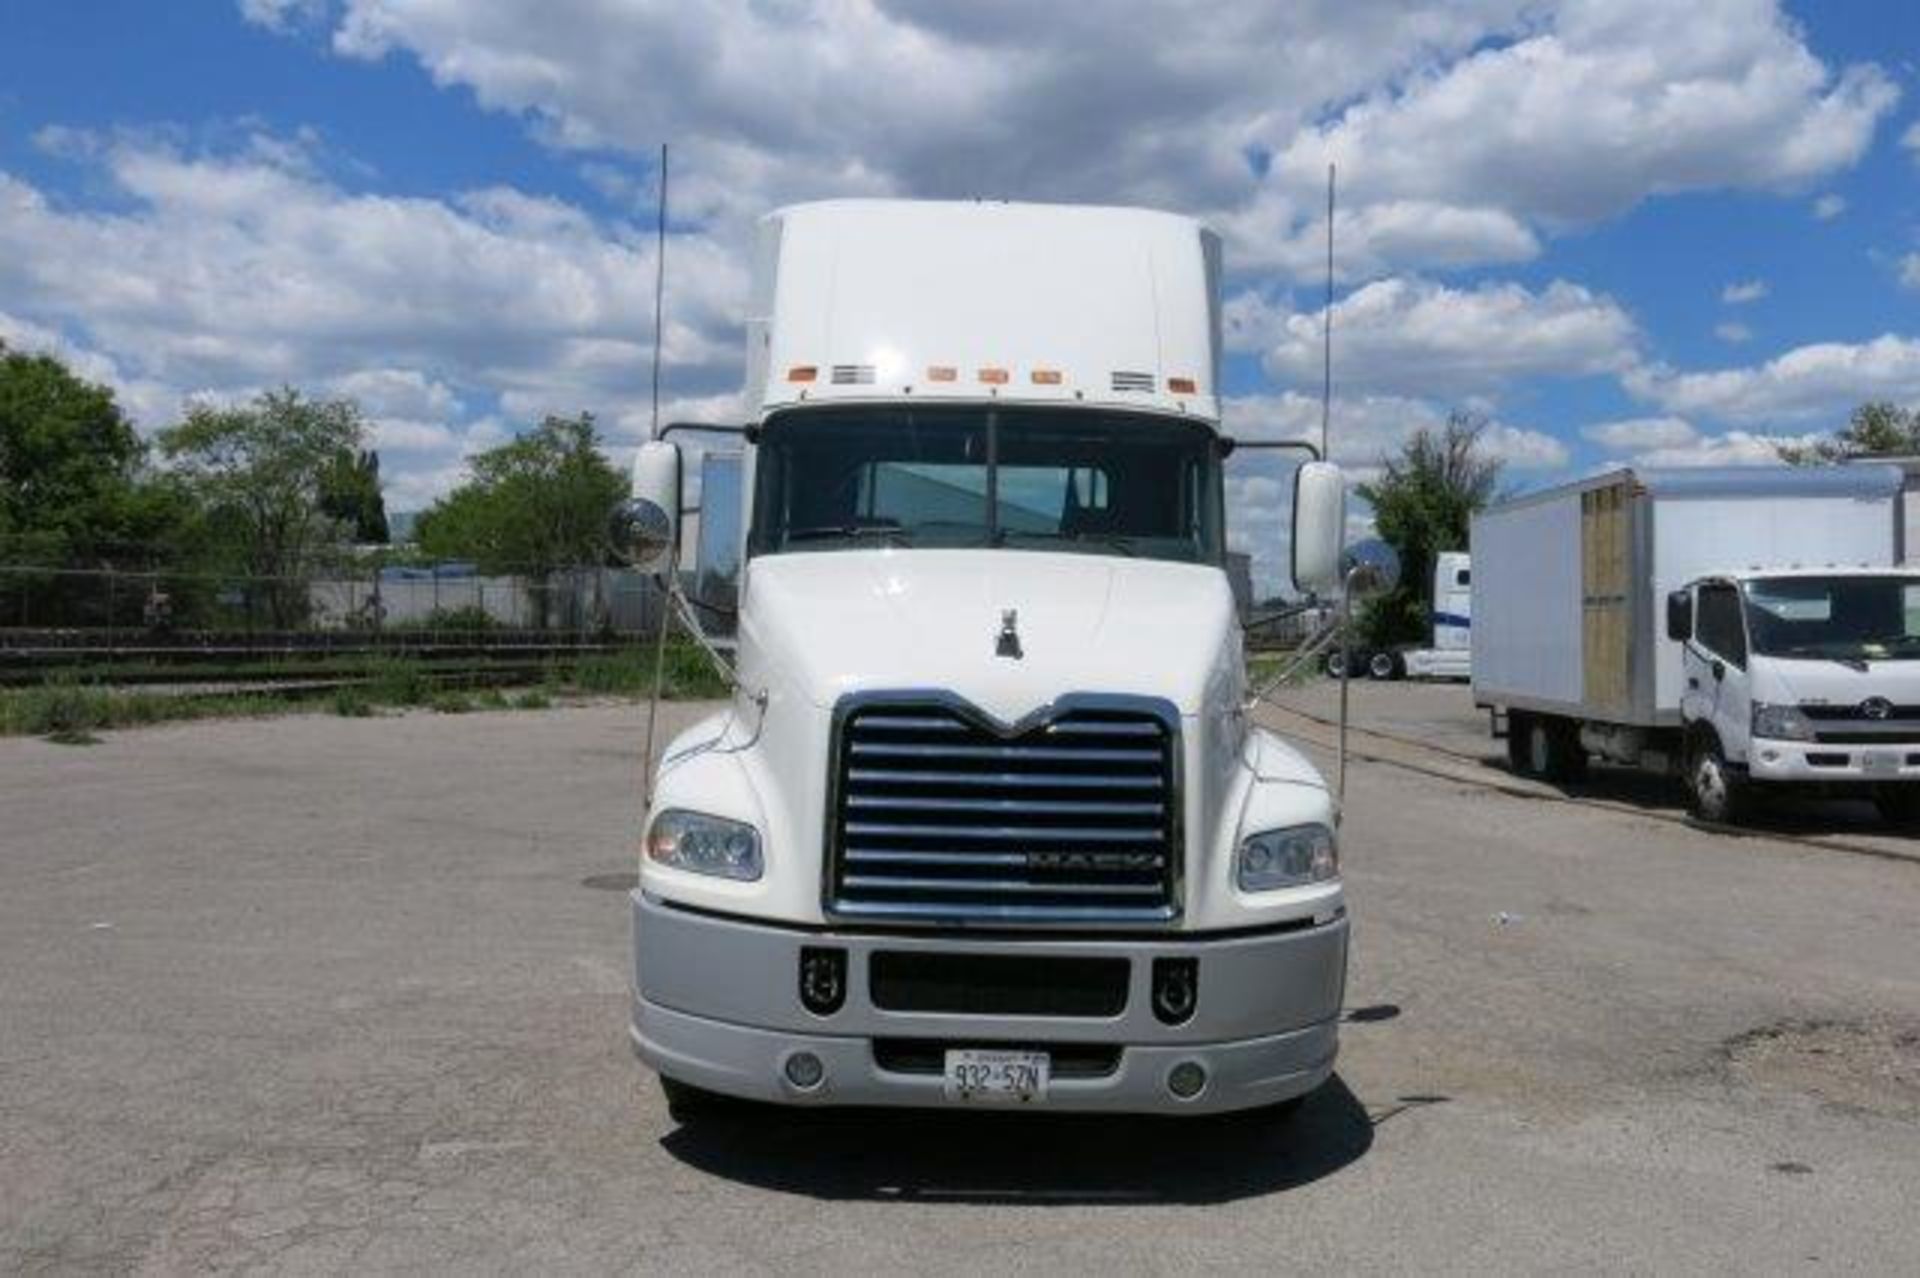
(1792, 681)
(846, 621)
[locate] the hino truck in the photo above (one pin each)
(1449, 656)
(985, 820)
(1748, 628)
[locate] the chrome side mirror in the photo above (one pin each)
(645, 527)
(1370, 568)
(1319, 527)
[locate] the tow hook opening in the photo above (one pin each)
(1176, 989)
(823, 979)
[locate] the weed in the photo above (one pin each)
(351, 703)
(532, 699)
(451, 702)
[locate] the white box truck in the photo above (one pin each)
(1450, 654)
(985, 820)
(1743, 627)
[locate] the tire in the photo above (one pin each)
(1384, 666)
(1517, 742)
(1546, 746)
(1715, 792)
(1899, 805)
(1336, 662)
(688, 1104)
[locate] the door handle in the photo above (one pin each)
(1693, 681)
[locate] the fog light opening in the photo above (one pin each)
(823, 980)
(804, 1071)
(1176, 989)
(1187, 1080)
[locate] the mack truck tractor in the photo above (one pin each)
(985, 820)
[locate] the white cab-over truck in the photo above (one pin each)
(1745, 627)
(985, 819)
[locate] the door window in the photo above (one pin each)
(1720, 628)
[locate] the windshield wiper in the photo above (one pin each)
(1803, 651)
(1117, 541)
(821, 532)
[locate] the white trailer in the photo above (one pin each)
(1743, 626)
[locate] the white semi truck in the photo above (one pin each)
(1744, 627)
(985, 819)
(1450, 655)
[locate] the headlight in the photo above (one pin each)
(1297, 855)
(705, 844)
(1781, 723)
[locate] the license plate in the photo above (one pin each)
(1882, 763)
(996, 1077)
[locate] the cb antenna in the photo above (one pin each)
(660, 285)
(1326, 334)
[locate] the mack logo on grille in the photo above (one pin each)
(1093, 861)
(1876, 708)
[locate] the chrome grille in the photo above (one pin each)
(940, 815)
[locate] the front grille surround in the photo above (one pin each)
(1095, 908)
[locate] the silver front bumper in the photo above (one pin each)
(716, 1004)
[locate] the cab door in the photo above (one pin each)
(1715, 667)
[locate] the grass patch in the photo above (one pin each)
(398, 681)
(450, 702)
(687, 674)
(533, 699)
(491, 699)
(352, 703)
(72, 713)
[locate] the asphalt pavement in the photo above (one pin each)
(321, 994)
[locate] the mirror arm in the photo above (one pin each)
(750, 431)
(1229, 446)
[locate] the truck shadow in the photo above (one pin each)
(995, 1157)
(1795, 814)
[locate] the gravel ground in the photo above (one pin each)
(318, 994)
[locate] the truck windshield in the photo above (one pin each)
(1835, 618)
(1014, 478)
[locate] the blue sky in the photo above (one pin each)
(1620, 230)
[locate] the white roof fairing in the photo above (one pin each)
(886, 289)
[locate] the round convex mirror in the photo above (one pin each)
(1371, 568)
(640, 532)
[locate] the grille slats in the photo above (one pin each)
(942, 817)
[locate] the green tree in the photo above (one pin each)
(534, 505)
(1423, 502)
(1874, 429)
(70, 465)
(260, 473)
(350, 493)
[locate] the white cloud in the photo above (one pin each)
(1821, 380)
(1910, 271)
(219, 274)
(1602, 103)
(1635, 434)
(1462, 130)
(282, 15)
(1828, 207)
(1413, 336)
(1740, 292)
(1732, 332)
(1911, 139)
(1734, 448)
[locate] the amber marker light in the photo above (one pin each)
(1046, 377)
(994, 376)
(942, 373)
(1181, 385)
(802, 373)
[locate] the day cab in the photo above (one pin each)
(985, 820)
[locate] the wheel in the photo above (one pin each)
(1336, 663)
(687, 1103)
(1899, 805)
(1517, 742)
(1547, 747)
(1384, 665)
(1715, 792)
